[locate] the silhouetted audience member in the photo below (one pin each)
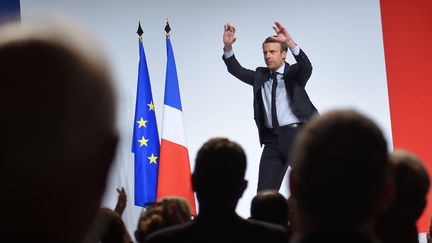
(218, 180)
(176, 210)
(341, 181)
(270, 206)
(168, 211)
(398, 224)
(109, 228)
(58, 131)
(149, 222)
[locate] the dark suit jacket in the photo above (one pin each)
(220, 227)
(295, 77)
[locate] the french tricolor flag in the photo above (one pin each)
(174, 166)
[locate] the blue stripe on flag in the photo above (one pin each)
(172, 90)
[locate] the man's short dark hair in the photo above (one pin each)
(270, 39)
(341, 168)
(412, 184)
(219, 169)
(270, 206)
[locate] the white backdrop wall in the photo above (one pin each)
(343, 39)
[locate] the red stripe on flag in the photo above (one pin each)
(175, 173)
(407, 32)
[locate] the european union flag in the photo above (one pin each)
(145, 144)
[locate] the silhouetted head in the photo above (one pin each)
(398, 222)
(270, 206)
(168, 211)
(341, 179)
(149, 221)
(58, 130)
(176, 210)
(218, 178)
(412, 185)
(109, 228)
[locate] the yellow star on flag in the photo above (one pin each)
(142, 123)
(151, 106)
(143, 141)
(152, 159)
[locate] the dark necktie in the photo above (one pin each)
(275, 122)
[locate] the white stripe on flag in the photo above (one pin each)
(172, 125)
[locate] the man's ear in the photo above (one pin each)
(284, 55)
(244, 186)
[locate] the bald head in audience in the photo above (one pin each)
(58, 131)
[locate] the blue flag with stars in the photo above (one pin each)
(145, 144)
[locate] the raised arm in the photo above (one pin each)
(231, 62)
(283, 35)
(304, 70)
(229, 36)
(121, 201)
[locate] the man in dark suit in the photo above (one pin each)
(218, 180)
(281, 104)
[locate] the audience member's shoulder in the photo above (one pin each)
(174, 233)
(257, 231)
(260, 231)
(266, 226)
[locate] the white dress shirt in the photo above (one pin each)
(283, 111)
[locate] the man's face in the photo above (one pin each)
(274, 57)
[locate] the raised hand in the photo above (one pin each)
(282, 35)
(229, 36)
(121, 201)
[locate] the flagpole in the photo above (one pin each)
(174, 178)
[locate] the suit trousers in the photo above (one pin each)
(275, 158)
